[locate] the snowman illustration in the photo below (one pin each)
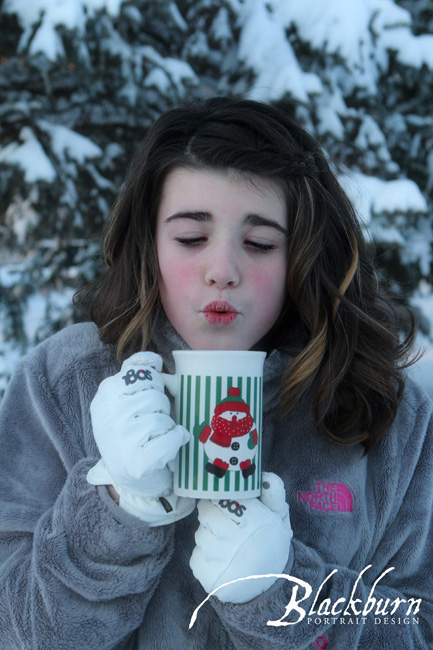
(230, 441)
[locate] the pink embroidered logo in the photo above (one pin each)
(328, 497)
(321, 642)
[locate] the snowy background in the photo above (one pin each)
(81, 81)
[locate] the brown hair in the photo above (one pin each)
(353, 357)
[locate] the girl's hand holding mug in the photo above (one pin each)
(237, 539)
(138, 441)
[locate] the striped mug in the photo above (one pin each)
(218, 398)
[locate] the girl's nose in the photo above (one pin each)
(223, 267)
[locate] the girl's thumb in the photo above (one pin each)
(98, 474)
(274, 494)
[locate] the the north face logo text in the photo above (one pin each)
(328, 497)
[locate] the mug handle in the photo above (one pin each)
(171, 383)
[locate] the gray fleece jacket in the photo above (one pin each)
(79, 573)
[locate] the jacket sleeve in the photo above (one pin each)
(387, 608)
(76, 571)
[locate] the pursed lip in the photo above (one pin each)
(220, 306)
(220, 313)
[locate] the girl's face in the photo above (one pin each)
(221, 249)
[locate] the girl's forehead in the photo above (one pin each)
(187, 173)
(206, 185)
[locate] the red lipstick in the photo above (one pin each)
(220, 313)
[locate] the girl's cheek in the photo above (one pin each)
(178, 275)
(269, 281)
(268, 292)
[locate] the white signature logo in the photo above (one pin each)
(351, 606)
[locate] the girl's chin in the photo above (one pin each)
(217, 343)
(208, 337)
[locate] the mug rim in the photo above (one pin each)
(218, 352)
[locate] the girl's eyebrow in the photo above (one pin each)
(251, 219)
(196, 216)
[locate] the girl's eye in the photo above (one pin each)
(262, 248)
(190, 241)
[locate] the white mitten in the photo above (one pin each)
(237, 539)
(133, 429)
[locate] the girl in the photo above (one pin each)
(231, 232)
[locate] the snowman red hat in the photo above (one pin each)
(233, 402)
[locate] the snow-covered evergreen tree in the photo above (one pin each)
(81, 80)
(80, 83)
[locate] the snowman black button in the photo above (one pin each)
(234, 460)
(235, 446)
